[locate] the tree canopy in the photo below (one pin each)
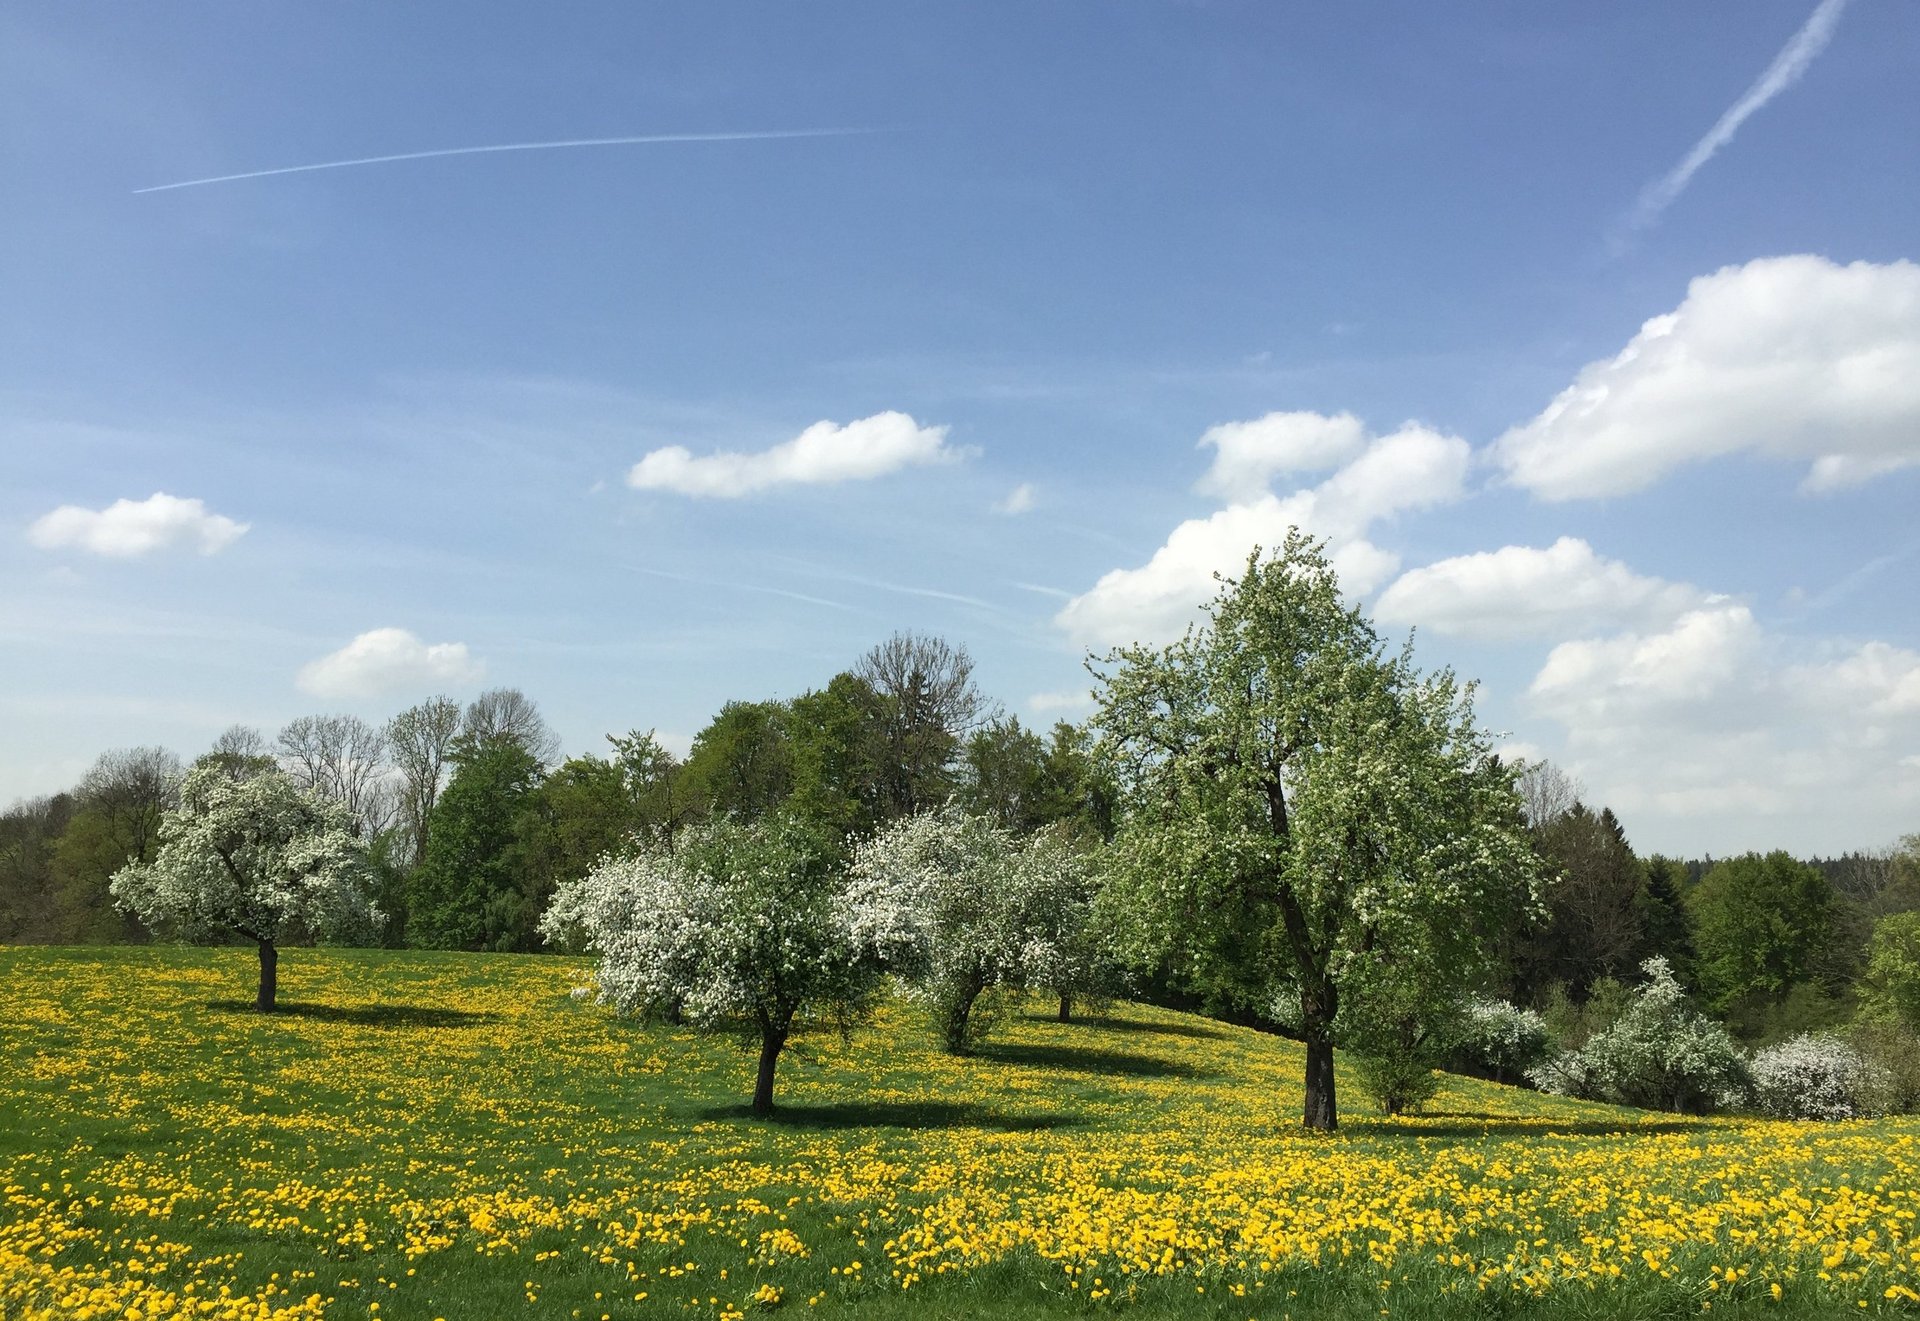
(1307, 808)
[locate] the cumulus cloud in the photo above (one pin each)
(1792, 358)
(1525, 591)
(1249, 455)
(1412, 468)
(1733, 737)
(1020, 500)
(824, 454)
(127, 529)
(386, 660)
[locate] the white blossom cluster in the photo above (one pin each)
(256, 857)
(956, 906)
(741, 925)
(1815, 1075)
(1503, 1036)
(1662, 1054)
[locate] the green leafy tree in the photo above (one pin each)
(119, 806)
(1003, 775)
(1296, 792)
(29, 832)
(835, 740)
(256, 858)
(1759, 923)
(1892, 983)
(473, 890)
(1592, 925)
(663, 800)
(741, 764)
(926, 702)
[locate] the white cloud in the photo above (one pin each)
(1794, 358)
(1061, 702)
(1721, 735)
(1413, 468)
(386, 660)
(126, 529)
(825, 453)
(1524, 591)
(1019, 500)
(1249, 455)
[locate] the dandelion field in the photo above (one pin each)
(455, 1136)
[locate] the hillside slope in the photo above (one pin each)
(430, 1135)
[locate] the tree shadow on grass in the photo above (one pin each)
(361, 1015)
(892, 1114)
(1131, 1025)
(1087, 1059)
(1473, 1125)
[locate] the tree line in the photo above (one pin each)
(1278, 820)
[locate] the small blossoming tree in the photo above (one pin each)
(740, 928)
(958, 907)
(254, 857)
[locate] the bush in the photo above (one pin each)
(1399, 1082)
(1661, 1054)
(1500, 1039)
(1892, 1053)
(1815, 1075)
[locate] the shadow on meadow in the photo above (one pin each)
(1134, 1025)
(1087, 1059)
(892, 1114)
(1471, 1124)
(361, 1015)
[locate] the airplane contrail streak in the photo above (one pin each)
(762, 136)
(1784, 72)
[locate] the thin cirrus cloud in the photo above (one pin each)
(1409, 469)
(825, 454)
(389, 660)
(1529, 591)
(1790, 358)
(128, 529)
(1784, 72)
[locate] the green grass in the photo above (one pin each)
(437, 1135)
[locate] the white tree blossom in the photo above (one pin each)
(1661, 1054)
(257, 858)
(1815, 1075)
(958, 907)
(742, 927)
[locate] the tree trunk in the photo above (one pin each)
(1066, 1006)
(1316, 1023)
(772, 1041)
(1320, 1112)
(269, 978)
(955, 1030)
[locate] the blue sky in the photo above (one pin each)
(1067, 243)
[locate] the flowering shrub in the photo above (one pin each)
(1662, 1054)
(1815, 1075)
(1501, 1038)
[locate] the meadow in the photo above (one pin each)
(457, 1136)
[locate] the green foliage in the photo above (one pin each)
(1892, 991)
(96, 844)
(1315, 815)
(1399, 1081)
(29, 833)
(1593, 924)
(834, 736)
(1759, 922)
(1660, 1053)
(473, 891)
(1892, 1048)
(1666, 923)
(742, 763)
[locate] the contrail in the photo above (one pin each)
(1784, 72)
(522, 146)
